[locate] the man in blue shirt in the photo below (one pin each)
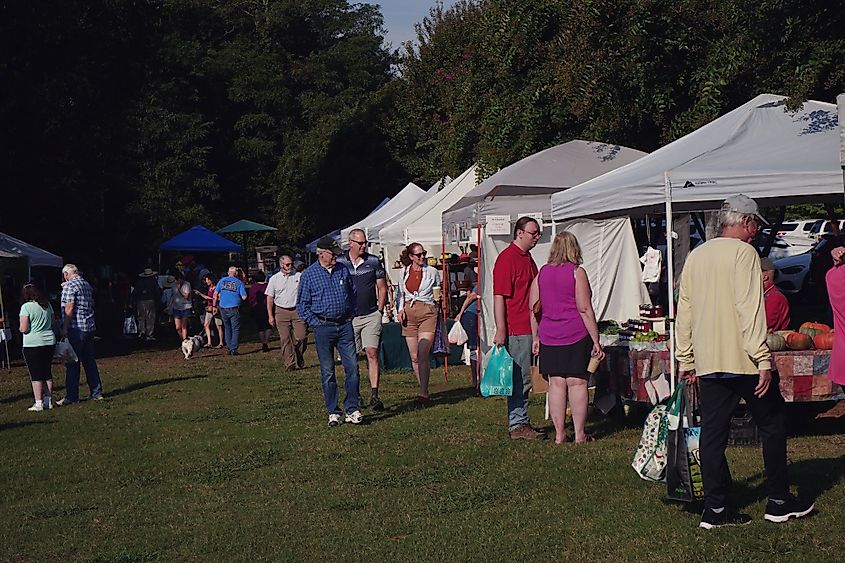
(327, 304)
(228, 293)
(368, 277)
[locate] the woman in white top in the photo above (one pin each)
(419, 292)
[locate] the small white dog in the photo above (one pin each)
(193, 345)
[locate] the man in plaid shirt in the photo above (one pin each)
(327, 303)
(78, 327)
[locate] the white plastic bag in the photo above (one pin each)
(65, 352)
(457, 334)
(130, 326)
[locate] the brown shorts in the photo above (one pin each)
(420, 317)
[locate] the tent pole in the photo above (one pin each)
(5, 322)
(444, 291)
(670, 277)
(480, 305)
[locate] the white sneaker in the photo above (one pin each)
(334, 420)
(36, 407)
(355, 417)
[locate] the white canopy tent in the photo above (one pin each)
(773, 155)
(397, 205)
(423, 223)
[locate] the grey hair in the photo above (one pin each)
(356, 231)
(727, 218)
(70, 269)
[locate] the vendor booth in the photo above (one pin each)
(486, 215)
(761, 149)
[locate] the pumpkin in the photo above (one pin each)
(776, 342)
(824, 341)
(799, 341)
(784, 333)
(810, 331)
(821, 327)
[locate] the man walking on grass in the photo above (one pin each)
(78, 327)
(512, 276)
(721, 344)
(368, 276)
(282, 291)
(228, 295)
(327, 303)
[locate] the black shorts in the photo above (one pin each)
(39, 361)
(262, 321)
(570, 360)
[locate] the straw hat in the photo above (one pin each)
(148, 272)
(169, 282)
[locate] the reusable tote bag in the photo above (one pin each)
(440, 347)
(683, 468)
(498, 376)
(651, 455)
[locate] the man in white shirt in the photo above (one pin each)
(281, 292)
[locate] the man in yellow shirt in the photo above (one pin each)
(721, 341)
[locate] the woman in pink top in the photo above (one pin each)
(835, 279)
(567, 334)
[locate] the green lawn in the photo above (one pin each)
(229, 458)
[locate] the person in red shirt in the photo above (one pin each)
(512, 276)
(777, 307)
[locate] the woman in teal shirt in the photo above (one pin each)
(36, 320)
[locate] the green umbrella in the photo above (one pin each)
(245, 226)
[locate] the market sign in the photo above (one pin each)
(498, 224)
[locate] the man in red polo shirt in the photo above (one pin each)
(512, 276)
(777, 307)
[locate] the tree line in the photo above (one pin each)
(127, 121)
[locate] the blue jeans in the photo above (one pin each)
(83, 345)
(519, 347)
(231, 327)
(327, 337)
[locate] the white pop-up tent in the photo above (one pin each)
(312, 246)
(761, 149)
(398, 204)
(423, 223)
(525, 188)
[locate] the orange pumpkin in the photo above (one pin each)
(818, 326)
(824, 341)
(798, 341)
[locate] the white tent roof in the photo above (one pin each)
(397, 205)
(423, 223)
(527, 185)
(37, 256)
(759, 149)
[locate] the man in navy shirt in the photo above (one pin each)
(368, 277)
(229, 292)
(327, 303)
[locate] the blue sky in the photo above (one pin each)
(401, 15)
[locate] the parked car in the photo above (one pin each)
(822, 228)
(781, 248)
(797, 230)
(792, 272)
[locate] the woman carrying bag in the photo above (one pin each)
(419, 292)
(567, 335)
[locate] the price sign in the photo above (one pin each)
(498, 224)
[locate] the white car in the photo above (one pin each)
(781, 248)
(823, 228)
(792, 272)
(797, 231)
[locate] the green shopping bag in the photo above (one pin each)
(498, 376)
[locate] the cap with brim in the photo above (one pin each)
(148, 272)
(767, 265)
(169, 282)
(329, 244)
(741, 203)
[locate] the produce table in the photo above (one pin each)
(393, 350)
(640, 372)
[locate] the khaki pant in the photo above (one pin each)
(293, 335)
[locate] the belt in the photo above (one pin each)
(335, 320)
(229, 308)
(286, 308)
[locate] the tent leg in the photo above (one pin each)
(445, 300)
(670, 277)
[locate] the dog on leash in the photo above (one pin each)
(193, 345)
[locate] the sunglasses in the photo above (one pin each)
(362, 243)
(535, 234)
(287, 264)
(418, 254)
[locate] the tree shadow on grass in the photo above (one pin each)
(23, 423)
(448, 397)
(152, 383)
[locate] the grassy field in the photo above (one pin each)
(229, 458)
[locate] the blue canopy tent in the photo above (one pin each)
(199, 239)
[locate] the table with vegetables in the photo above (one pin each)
(637, 364)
